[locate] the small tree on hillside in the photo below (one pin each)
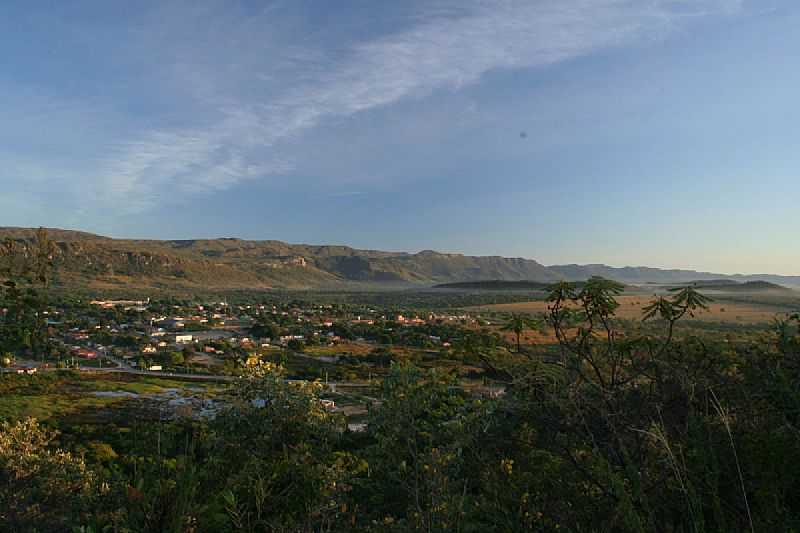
(517, 324)
(25, 271)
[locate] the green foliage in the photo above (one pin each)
(42, 488)
(296, 345)
(176, 358)
(25, 270)
(685, 302)
(620, 426)
(418, 455)
(278, 450)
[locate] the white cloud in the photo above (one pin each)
(244, 129)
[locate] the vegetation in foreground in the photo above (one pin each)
(610, 432)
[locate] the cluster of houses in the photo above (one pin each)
(141, 331)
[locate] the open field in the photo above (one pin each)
(49, 395)
(350, 348)
(631, 308)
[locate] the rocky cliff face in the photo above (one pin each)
(87, 259)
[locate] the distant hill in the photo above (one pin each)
(735, 286)
(93, 261)
(649, 275)
(715, 282)
(495, 285)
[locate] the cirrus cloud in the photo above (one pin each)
(242, 129)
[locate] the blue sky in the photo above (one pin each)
(630, 132)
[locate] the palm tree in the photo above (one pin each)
(517, 324)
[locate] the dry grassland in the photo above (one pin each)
(631, 308)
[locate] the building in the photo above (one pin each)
(86, 353)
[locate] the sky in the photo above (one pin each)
(628, 132)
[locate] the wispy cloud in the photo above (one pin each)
(454, 46)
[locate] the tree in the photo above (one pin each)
(176, 358)
(269, 330)
(517, 324)
(278, 453)
(634, 416)
(418, 459)
(42, 488)
(26, 269)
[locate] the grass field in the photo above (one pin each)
(631, 308)
(58, 394)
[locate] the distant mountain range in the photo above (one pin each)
(649, 275)
(726, 285)
(93, 261)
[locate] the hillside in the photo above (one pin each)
(93, 261)
(649, 275)
(495, 285)
(88, 260)
(735, 286)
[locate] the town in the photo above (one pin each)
(217, 338)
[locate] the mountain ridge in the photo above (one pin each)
(89, 260)
(648, 275)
